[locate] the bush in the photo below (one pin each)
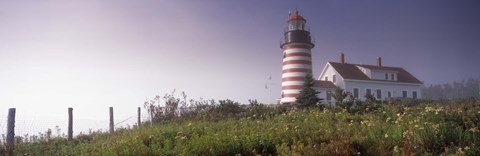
(426, 128)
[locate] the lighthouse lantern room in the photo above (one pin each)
(297, 58)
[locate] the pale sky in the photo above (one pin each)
(91, 55)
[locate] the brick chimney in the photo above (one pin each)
(342, 58)
(379, 61)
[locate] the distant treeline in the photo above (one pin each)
(455, 90)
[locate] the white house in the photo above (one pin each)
(380, 81)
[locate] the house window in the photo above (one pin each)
(392, 76)
(326, 78)
(414, 94)
(329, 95)
(404, 94)
(368, 92)
(389, 94)
(379, 94)
(334, 79)
(355, 93)
(386, 76)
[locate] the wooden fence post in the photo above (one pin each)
(10, 131)
(139, 122)
(111, 120)
(70, 123)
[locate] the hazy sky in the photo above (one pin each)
(90, 55)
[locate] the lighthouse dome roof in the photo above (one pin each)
(296, 16)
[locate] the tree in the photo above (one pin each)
(308, 95)
(340, 95)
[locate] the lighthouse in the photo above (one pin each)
(297, 58)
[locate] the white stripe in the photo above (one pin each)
(302, 66)
(290, 91)
(296, 50)
(306, 58)
(289, 99)
(289, 83)
(294, 74)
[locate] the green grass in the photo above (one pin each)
(424, 129)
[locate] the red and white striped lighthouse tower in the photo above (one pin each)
(297, 58)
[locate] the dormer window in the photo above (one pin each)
(393, 76)
(386, 76)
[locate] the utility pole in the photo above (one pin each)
(269, 87)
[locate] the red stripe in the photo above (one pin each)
(297, 62)
(287, 103)
(298, 54)
(292, 87)
(293, 79)
(297, 46)
(297, 70)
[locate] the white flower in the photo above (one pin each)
(386, 135)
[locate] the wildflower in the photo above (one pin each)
(386, 112)
(386, 135)
(388, 119)
(396, 149)
(466, 148)
(474, 129)
(416, 126)
(459, 151)
(405, 133)
(398, 114)
(189, 124)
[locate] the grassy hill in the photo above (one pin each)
(425, 128)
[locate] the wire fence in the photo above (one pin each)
(28, 127)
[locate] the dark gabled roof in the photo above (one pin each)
(324, 84)
(351, 71)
